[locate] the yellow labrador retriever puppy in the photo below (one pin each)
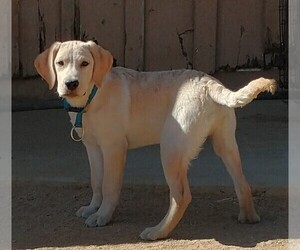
(178, 109)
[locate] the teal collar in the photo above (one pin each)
(80, 112)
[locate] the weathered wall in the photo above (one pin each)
(150, 34)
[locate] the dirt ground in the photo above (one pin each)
(44, 218)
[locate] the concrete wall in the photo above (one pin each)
(150, 34)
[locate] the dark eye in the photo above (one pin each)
(84, 64)
(60, 63)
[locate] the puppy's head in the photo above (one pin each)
(75, 66)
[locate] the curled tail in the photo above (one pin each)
(243, 96)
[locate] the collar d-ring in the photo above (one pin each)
(79, 136)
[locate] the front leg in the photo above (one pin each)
(114, 156)
(96, 167)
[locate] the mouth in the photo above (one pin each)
(71, 95)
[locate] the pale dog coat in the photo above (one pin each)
(178, 109)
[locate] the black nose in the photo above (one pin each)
(72, 84)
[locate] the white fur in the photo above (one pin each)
(179, 109)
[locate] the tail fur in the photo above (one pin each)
(243, 96)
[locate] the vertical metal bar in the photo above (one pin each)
(283, 23)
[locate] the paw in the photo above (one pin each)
(151, 233)
(86, 211)
(97, 220)
(254, 218)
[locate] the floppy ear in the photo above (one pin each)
(102, 62)
(44, 64)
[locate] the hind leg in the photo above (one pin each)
(175, 163)
(180, 197)
(226, 147)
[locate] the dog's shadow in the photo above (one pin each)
(43, 216)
